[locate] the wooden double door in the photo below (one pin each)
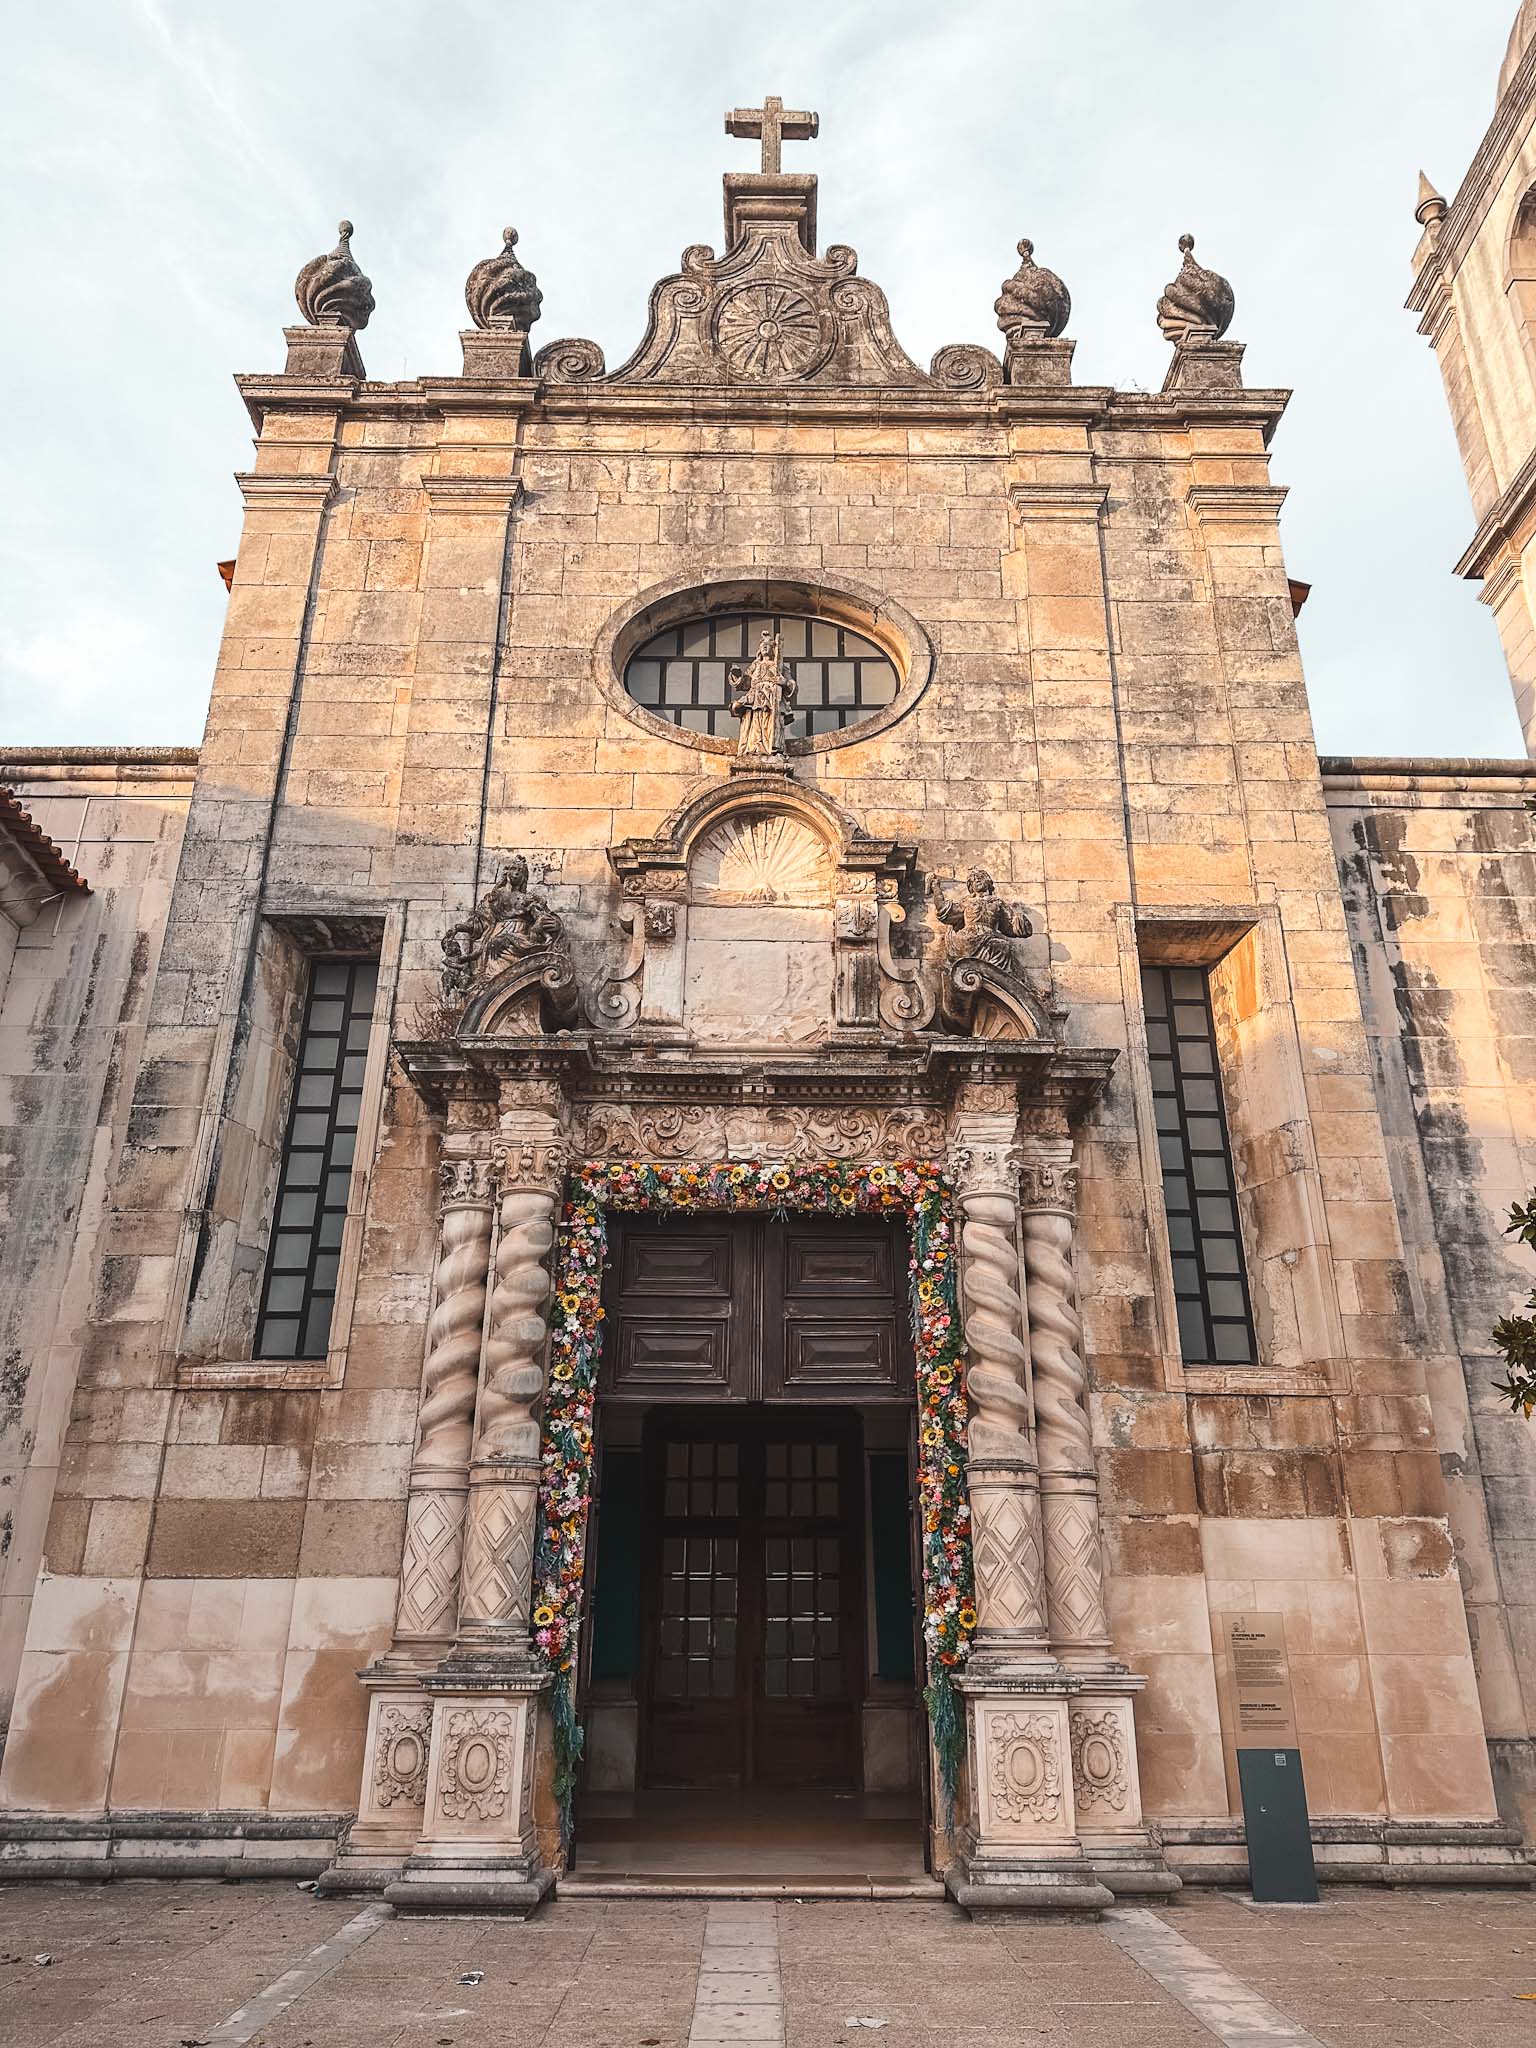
(748, 1339)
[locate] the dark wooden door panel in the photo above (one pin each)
(833, 1326)
(837, 1260)
(669, 1355)
(690, 1262)
(681, 1300)
(833, 1359)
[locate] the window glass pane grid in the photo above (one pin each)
(299, 1292)
(1215, 1311)
(841, 676)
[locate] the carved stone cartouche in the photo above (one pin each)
(501, 292)
(1197, 307)
(332, 291)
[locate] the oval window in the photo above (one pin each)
(683, 672)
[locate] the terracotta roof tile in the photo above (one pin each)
(17, 821)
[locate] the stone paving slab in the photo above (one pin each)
(164, 1965)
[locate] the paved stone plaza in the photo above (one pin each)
(174, 1964)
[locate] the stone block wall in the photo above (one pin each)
(75, 1006)
(1438, 864)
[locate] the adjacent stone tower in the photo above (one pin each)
(1475, 290)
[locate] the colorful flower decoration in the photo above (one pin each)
(831, 1186)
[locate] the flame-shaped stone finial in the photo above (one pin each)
(1198, 305)
(1035, 304)
(332, 291)
(501, 292)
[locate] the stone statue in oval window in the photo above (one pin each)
(763, 698)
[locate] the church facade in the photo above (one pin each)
(779, 1137)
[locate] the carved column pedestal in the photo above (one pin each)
(391, 1803)
(478, 1850)
(1017, 1840)
(1021, 1848)
(1107, 1787)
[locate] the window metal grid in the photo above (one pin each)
(299, 1292)
(696, 1642)
(840, 676)
(1210, 1280)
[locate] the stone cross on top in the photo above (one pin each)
(774, 126)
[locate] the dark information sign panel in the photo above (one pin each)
(1280, 1867)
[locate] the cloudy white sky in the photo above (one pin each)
(171, 163)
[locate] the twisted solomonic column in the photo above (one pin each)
(504, 1469)
(1001, 1478)
(434, 1521)
(1069, 1487)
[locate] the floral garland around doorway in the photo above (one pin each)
(825, 1187)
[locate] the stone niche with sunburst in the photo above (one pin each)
(760, 932)
(760, 915)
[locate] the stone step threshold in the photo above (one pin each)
(636, 1885)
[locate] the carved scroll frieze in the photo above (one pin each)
(400, 1755)
(647, 925)
(774, 1131)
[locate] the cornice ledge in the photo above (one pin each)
(1235, 504)
(1506, 523)
(472, 493)
(1058, 501)
(286, 493)
(1262, 408)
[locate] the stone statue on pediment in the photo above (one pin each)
(510, 921)
(982, 923)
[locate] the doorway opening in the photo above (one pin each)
(751, 1689)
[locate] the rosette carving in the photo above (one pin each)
(332, 291)
(1198, 305)
(501, 292)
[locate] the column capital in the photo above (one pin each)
(532, 1165)
(1048, 1183)
(985, 1168)
(466, 1181)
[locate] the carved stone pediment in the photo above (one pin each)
(769, 313)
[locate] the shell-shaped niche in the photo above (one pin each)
(762, 857)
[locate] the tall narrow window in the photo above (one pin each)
(1199, 1193)
(300, 1290)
